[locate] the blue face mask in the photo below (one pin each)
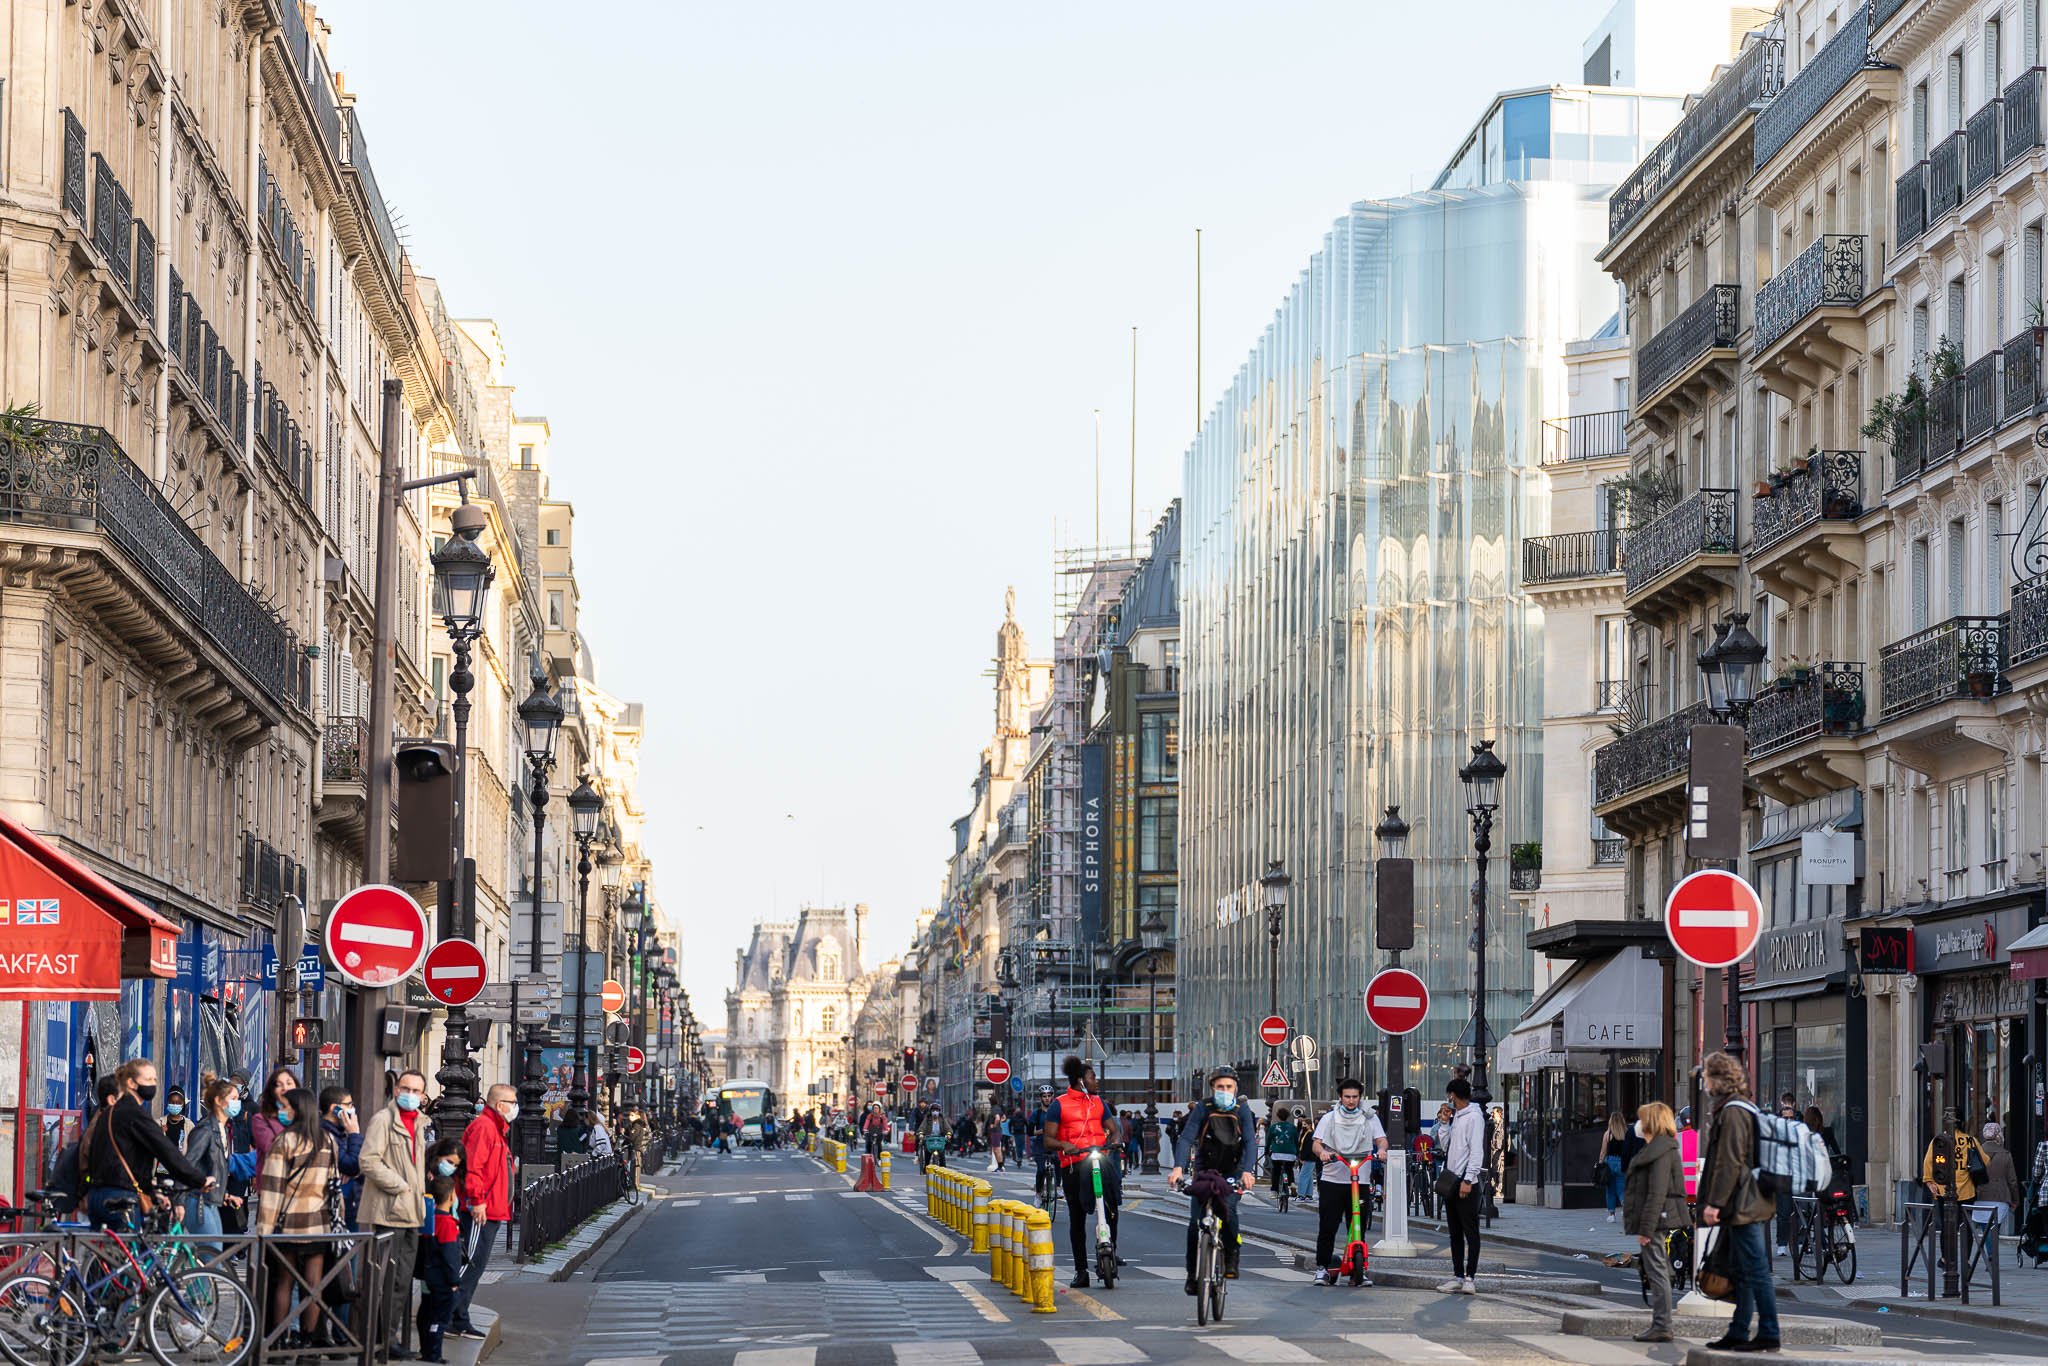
(234, 1108)
(445, 1167)
(1225, 1100)
(284, 1116)
(174, 1109)
(406, 1100)
(1348, 1108)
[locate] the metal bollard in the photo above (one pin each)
(885, 1169)
(998, 1247)
(979, 1194)
(1041, 1263)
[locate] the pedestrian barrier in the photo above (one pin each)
(1020, 1253)
(945, 1198)
(832, 1153)
(552, 1206)
(1039, 1225)
(1941, 1236)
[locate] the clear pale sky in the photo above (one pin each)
(820, 298)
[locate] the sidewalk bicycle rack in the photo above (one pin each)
(1920, 1247)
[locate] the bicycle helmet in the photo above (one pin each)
(1225, 1072)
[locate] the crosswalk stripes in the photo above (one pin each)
(777, 1356)
(1585, 1351)
(1094, 1352)
(845, 1277)
(797, 1195)
(1405, 1347)
(936, 1354)
(1263, 1349)
(743, 1199)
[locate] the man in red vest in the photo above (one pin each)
(1075, 1124)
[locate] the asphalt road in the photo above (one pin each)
(769, 1260)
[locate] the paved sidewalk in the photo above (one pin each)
(560, 1262)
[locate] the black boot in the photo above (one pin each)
(1230, 1256)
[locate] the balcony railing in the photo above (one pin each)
(1961, 657)
(1882, 10)
(2020, 382)
(358, 159)
(1912, 202)
(1571, 555)
(1610, 852)
(1981, 136)
(1945, 176)
(344, 749)
(1703, 524)
(1831, 487)
(1829, 271)
(2027, 622)
(2023, 116)
(1827, 701)
(1708, 323)
(71, 478)
(1753, 80)
(1833, 67)
(1525, 879)
(1647, 755)
(1587, 436)
(1980, 398)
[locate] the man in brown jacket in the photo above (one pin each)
(394, 1163)
(1731, 1201)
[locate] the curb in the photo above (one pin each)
(576, 1259)
(2000, 1320)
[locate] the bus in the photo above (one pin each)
(748, 1101)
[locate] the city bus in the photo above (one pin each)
(749, 1101)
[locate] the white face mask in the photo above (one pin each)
(1639, 1130)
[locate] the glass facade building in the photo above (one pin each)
(1353, 614)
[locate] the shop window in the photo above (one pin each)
(1158, 747)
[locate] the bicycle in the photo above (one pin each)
(1283, 1182)
(1210, 1257)
(1826, 1236)
(1678, 1247)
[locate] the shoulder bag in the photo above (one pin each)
(144, 1201)
(1717, 1269)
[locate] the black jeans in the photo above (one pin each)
(1080, 1184)
(1333, 1215)
(473, 1272)
(1462, 1213)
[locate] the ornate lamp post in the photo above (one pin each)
(1152, 937)
(463, 574)
(1392, 834)
(1482, 798)
(542, 716)
(1730, 667)
(1274, 886)
(585, 809)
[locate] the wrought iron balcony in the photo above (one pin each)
(1647, 755)
(1833, 67)
(1912, 202)
(2020, 376)
(2023, 122)
(1703, 524)
(1610, 852)
(1829, 484)
(1828, 272)
(1930, 440)
(1980, 398)
(1753, 79)
(66, 477)
(1571, 555)
(1708, 323)
(1980, 135)
(1587, 436)
(1522, 879)
(1945, 176)
(1881, 10)
(2027, 622)
(344, 749)
(1961, 657)
(1826, 701)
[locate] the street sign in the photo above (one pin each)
(1713, 918)
(612, 996)
(500, 994)
(312, 972)
(1273, 1031)
(636, 1061)
(1304, 1046)
(1274, 1075)
(330, 1057)
(534, 1014)
(455, 972)
(376, 935)
(881, 1088)
(1396, 1001)
(996, 1071)
(909, 1082)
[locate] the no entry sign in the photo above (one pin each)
(909, 1082)
(612, 996)
(376, 935)
(454, 972)
(1273, 1031)
(1713, 918)
(1396, 1001)
(636, 1061)
(996, 1070)
(881, 1088)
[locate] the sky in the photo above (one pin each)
(821, 302)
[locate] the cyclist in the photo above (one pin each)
(1350, 1129)
(875, 1128)
(123, 1144)
(1048, 1166)
(1075, 1123)
(1283, 1147)
(1216, 1147)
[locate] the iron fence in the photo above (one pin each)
(2023, 115)
(1980, 137)
(551, 1207)
(1920, 1239)
(2027, 622)
(1647, 755)
(1708, 323)
(1610, 852)
(1827, 701)
(1830, 486)
(1960, 657)
(2020, 368)
(1587, 436)
(1825, 73)
(1980, 397)
(1753, 80)
(1911, 196)
(1945, 175)
(1703, 524)
(1571, 555)
(1828, 272)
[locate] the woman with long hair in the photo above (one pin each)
(1613, 1146)
(263, 1125)
(1655, 1209)
(208, 1147)
(293, 1201)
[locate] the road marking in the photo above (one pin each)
(1094, 1307)
(777, 1356)
(796, 1195)
(743, 1199)
(975, 1298)
(1274, 1273)
(936, 1354)
(955, 1272)
(624, 1361)
(1095, 1351)
(1164, 1273)
(685, 1204)
(743, 1277)
(837, 1277)
(1584, 1351)
(851, 1195)
(1259, 1348)
(1404, 1347)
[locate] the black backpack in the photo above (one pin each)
(1220, 1145)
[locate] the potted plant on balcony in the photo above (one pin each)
(1792, 671)
(1893, 416)
(1641, 496)
(1979, 670)
(1528, 854)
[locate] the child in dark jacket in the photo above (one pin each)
(439, 1266)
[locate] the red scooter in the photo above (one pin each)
(1355, 1253)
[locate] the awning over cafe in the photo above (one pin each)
(2030, 955)
(1613, 1004)
(68, 934)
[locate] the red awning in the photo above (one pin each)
(68, 934)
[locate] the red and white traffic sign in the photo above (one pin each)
(636, 1061)
(1713, 918)
(376, 935)
(454, 972)
(1396, 1001)
(909, 1082)
(1273, 1031)
(881, 1088)
(996, 1071)
(611, 996)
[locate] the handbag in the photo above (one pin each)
(1447, 1184)
(1973, 1163)
(1717, 1266)
(144, 1201)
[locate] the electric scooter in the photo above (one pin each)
(1355, 1253)
(1105, 1250)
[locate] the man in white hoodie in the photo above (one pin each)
(1350, 1130)
(1464, 1162)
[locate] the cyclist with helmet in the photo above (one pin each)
(1075, 1123)
(1048, 1169)
(1217, 1147)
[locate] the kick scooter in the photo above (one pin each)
(1353, 1264)
(1105, 1250)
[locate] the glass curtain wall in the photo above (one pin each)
(1353, 617)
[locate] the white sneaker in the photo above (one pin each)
(1452, 1286)
(1468, 1286)
(1610, 1218)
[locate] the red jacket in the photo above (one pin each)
(487, 1180)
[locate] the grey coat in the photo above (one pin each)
(2001, 1182)
(1653, 1201)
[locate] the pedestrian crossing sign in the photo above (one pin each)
(1275, 1074)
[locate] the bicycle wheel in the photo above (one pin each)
(1218, 1290)
(200, 1318)
(41, 1325)
(1842, 1248)
(1205, 1271)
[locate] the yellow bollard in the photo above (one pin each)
(1019, 1233)
(1041, 1263)
(885, 1169)
(997, 1252)
(979, 1193)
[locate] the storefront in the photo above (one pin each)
(1590, 1046)
(1972, 1004)
(1812, 1038)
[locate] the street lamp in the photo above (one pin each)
(1152, 936)
(463, 572)
(1729, 668)
(586, 809)
(1396, 875)
(1482, 798)
(1273, 887)
(542, 716)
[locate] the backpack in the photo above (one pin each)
(1784, 1162)
(1220, 1145)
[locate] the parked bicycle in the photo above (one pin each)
(1825, 1235)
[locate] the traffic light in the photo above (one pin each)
(910, 1059)
(307, 1033)
(426, 812)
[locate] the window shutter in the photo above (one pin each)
(1992, 35)
(2030, 267)
(1998, 331)
(2030, 31)
(1955, 91)
(1920, 122)
(1918, 606)
(1956, 570)
(1953, 325)
(1917, 362)
(1994, 556)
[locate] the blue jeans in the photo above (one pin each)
(96, 1208)
(202, 1220)
(1611, 1183)
(1195, 1212)
(1305, 1178)
(1754, 1288)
